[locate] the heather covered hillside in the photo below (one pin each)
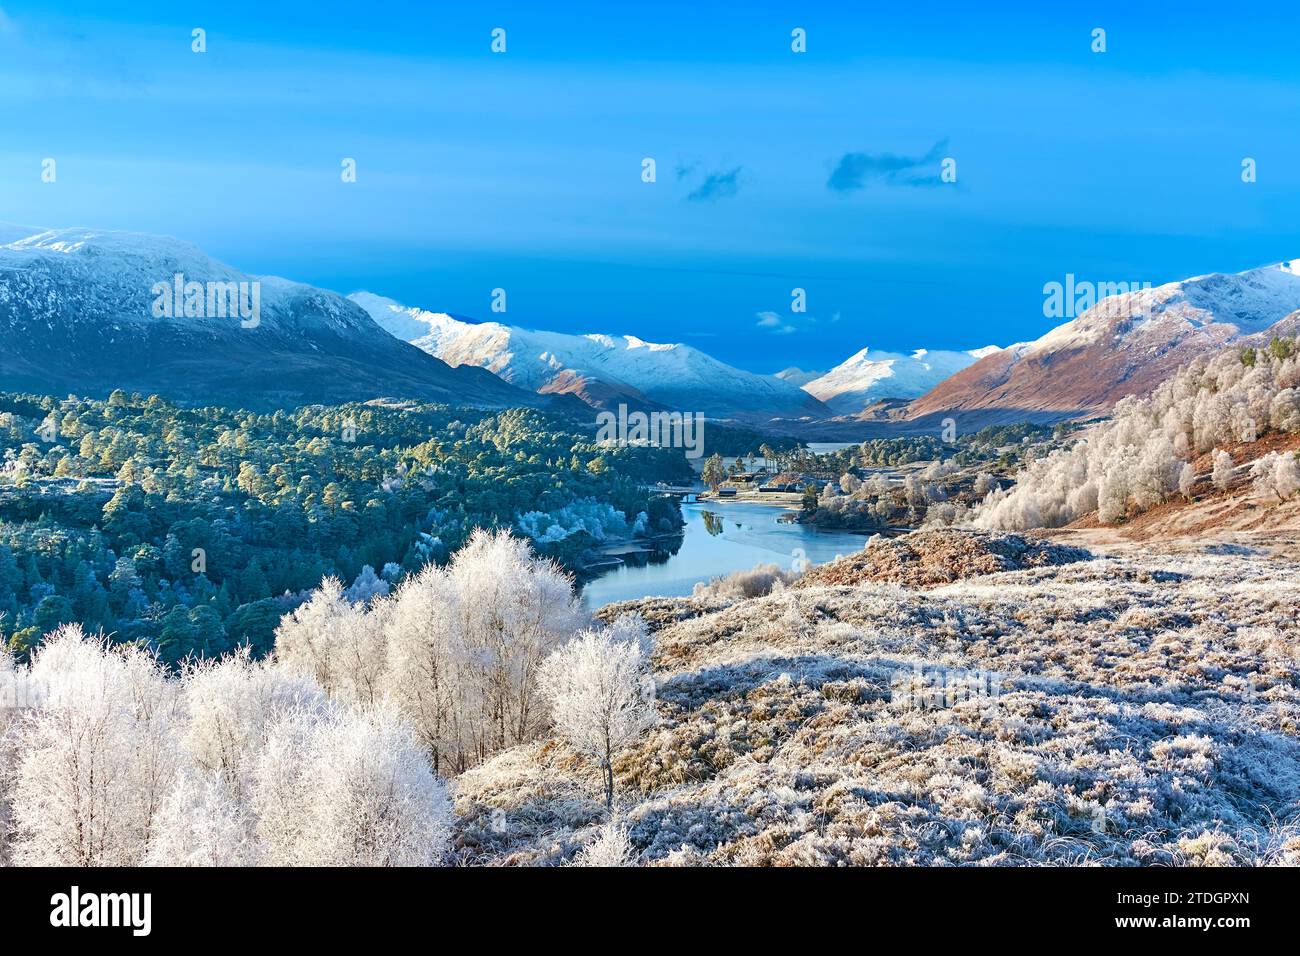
(1125, 709)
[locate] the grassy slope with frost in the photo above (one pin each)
(1149, 714)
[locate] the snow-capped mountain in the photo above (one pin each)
(868, 376)
(602, 370)
(1124, 345)
(797, 376)
(83, 310)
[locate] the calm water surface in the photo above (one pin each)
(720, 538)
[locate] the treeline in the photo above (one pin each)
(939, 494)
(196, 529)
(740, 441)
(1000, 445)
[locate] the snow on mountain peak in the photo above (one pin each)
(99, 308)
(798, 376)
(1124, 344)
(111, 272)
(402, 322)
(635, 343)
(869, 375)
(1248, 302)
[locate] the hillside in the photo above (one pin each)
(1123, 345)
(1135, 708)
(1195, 433)
(78, 314)
(1233, 515)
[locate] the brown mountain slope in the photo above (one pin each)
(1124, 345)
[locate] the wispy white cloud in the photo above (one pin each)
(774, 323)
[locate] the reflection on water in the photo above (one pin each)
(718, 539)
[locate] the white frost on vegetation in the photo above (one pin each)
(115, 762)
(1148, 713)
(1137, 459)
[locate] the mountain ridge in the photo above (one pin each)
(79, 312)
(1125, 344)
(602, 369)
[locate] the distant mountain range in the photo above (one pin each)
(79, 313)
(600, 369)
(1123, 345)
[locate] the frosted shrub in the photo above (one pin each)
(118, 763)
(97, 759)
(610, 848)
(230, 704)
(514, 608)
(597, 518)
(203, 824)
(337, 643)
(367, 586)
(352, 789)
(946, 514)
(13, 695)
(1221, 475)
(1284, 410)
(458, 649)
(428, 664)
(757, 581)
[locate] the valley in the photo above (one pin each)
(1021, 606)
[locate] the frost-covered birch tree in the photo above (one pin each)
(1221, 473)
(1276, 475)
(601, 693)
(97, 757)
(115, 761)
(513, 608)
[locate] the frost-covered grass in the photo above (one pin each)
(1147, 711)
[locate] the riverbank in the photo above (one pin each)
(615, 554)
(718, 537)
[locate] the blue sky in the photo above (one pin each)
(815, 170)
